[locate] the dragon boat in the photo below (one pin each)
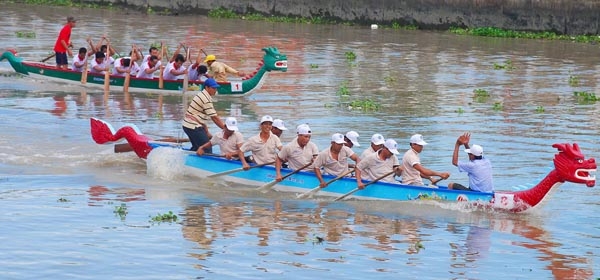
(570, 165)
(272, 60)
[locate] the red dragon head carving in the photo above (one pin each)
(572, 166)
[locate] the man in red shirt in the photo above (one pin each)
(63, 42)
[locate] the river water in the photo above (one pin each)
(60, 192)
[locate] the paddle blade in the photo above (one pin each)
(266, 187)
(309, 193)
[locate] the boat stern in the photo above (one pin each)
(14, 60)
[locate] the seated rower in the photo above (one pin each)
(174, 69)
(334, 160)
(122, 66)
(99, 64)
(229, 140)
(80, 60)
(298, 153)
(264, 146)
(378, 164)
(148, 68)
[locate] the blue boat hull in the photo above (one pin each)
(303, 181)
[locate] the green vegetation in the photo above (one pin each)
(497, 106)
(25, 34)
(481, 95)
(540, 109)
(389, 80)
(506, 66)
(504, 33)
(366, 104)
(350, 55)
(66, 3)
(573, 80)
(584, 97)
(230, 14)
(314, 66)
(343, 90)
(121, 211)
(396, 25)
(164, 218)
(460, 110)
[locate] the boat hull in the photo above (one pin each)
(272, 61)
(202, 166)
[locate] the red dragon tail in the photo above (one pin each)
(103, 133)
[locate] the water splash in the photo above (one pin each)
(166, 163)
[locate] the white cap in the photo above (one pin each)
(353, 136)
(475, 150)
(391, 145)
(417, 139)
(377, 139)
(279, 124)
(231, 124)
(338, 138)
(303, 129)
(266, 118)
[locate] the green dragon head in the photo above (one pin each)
(274, 60)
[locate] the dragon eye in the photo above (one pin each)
(580, 160)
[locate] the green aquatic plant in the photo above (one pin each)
(540, 109)
(314, 65)
(506, 66)
(25, 34)
(481, 95)
(366, 104)
(481, 92)
(389, 80)
(350, 55)
(573, 80)
(505, 33)
(584, 97)
(460, 110)
(121, 211)
(497, 106)
(343, 89)
(163, 218)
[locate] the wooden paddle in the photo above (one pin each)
(49, 57)
(107, 71)
(318, 188)
(237, 170)
(84, 72)
(128, 73)
(369, 183)
(162, 68)
(186, 77)
(268, 186)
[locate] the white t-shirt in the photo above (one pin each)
(95, 66)
(77, 60)
(134, 68)
(167, 72)
(142, 72)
